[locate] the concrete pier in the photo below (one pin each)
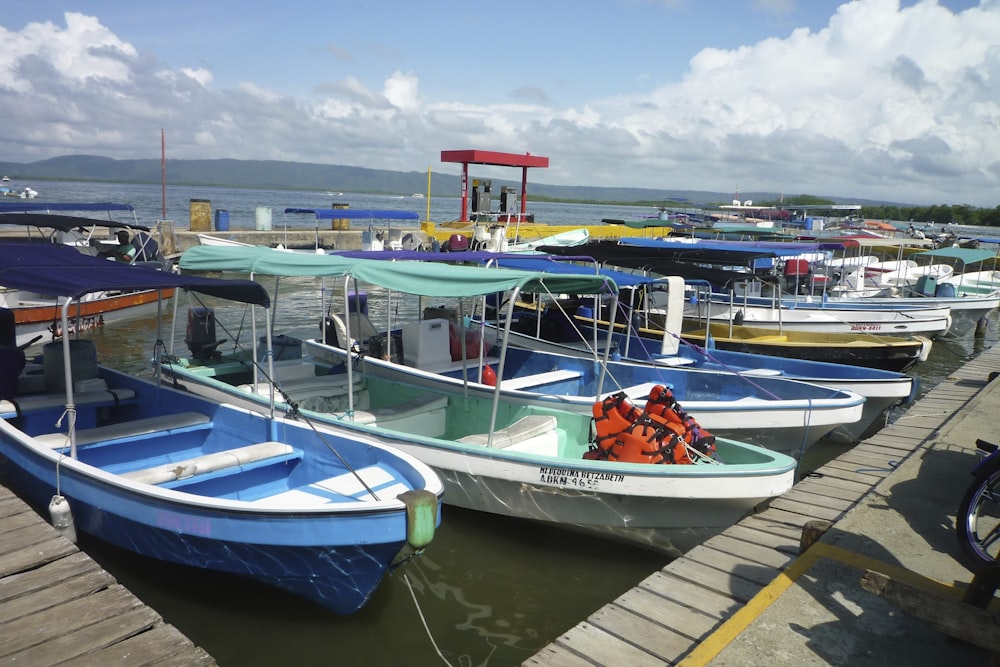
(749, 597)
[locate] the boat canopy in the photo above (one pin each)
(62, 223)
(13, 206)
(436, 279)
(60, 270)
(964, 255)
(349, 213)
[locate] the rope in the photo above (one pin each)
(423, 620)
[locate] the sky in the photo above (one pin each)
(891, 100)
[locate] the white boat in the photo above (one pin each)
(497, 455)
(36, 313)
(570, 334)
(183, 479)
(573, 237)
(208, 239)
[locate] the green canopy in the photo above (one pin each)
(964, 255)
(437, 279)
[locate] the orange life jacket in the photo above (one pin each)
(623, 432)
(661, 402)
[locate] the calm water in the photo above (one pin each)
(492, 591)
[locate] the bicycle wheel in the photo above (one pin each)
(978, 520)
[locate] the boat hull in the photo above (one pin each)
(43, 319)
(665, 507)
(334, 554)
(762, 412)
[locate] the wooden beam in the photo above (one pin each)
(955, 619)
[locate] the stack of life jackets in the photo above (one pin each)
(661, 433)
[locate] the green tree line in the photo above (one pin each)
(937, 214)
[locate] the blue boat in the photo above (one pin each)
(180, 478)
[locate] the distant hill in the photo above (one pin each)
(277, 175)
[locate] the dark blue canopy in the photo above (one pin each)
(59, 270)
(63, 223)
(22, 205)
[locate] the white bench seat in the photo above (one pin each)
(128, 429)
(344, 487)
(527, 434)
(200, 465)
(539, 379)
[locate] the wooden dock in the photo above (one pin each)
(58, 606)
(718, 587)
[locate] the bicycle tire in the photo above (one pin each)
(978, 519)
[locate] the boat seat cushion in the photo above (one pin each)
(128, 429)
(523, 430)
(200, 465)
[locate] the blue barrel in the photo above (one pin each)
(221, 220)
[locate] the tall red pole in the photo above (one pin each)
(465, 192)
(163, 174)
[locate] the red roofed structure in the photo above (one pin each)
(493, 158)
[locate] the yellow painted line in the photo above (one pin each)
(712, 645)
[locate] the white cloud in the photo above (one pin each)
(884, 102)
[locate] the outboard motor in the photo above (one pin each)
(201, 338)
(11, 356)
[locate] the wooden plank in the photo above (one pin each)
(33, 555)
(884, 447)
(36, 579)
(792, 519)
(48, 627)
(727, 584)
(82, 642)
(765, 524)
(603, 648)
(760, 573)
(57, 593)
(849, 471)
(557, 655)
(690, 594)
(955, 619)
(162, 645)
(808, 497)
(662, 642)
(746, 552)
(677, 617)
(836, 486)
(809, 511)
(866, 462)
(781, 543)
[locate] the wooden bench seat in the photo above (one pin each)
(135, 428)
(240, 457)
(539, 379)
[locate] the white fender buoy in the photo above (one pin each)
(62, 517)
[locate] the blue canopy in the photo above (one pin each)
(346, 213)
(55, 269)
